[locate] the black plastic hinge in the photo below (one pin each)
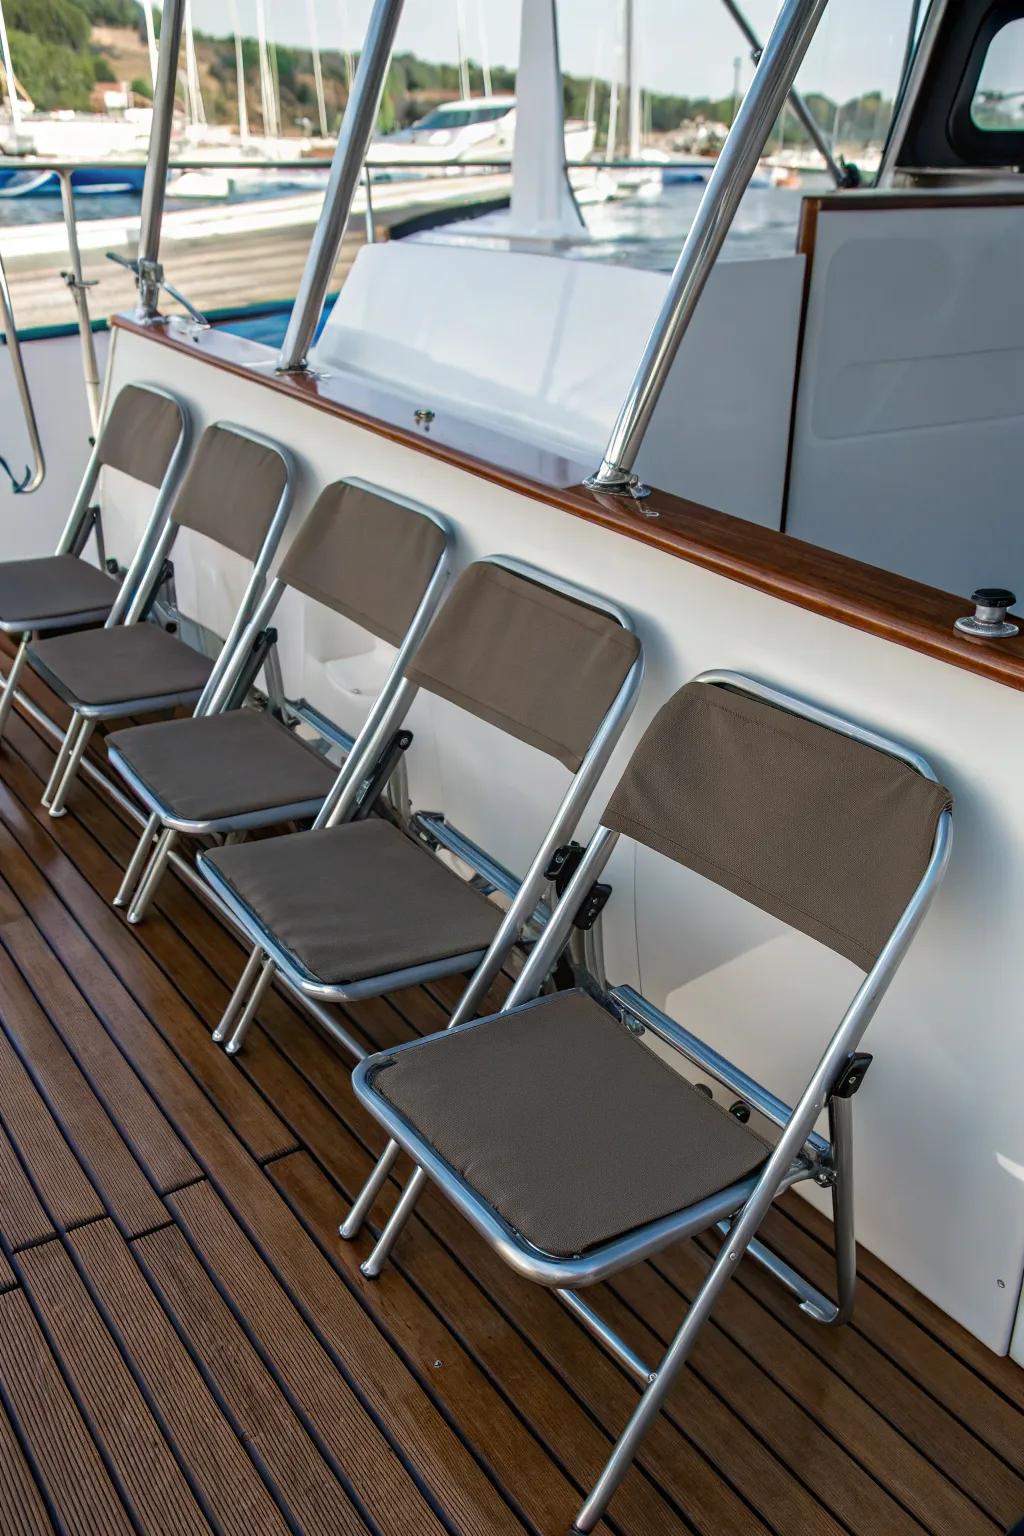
(564, 863)
(852, 1075)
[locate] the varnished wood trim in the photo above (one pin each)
(849, 591)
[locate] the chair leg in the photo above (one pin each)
(840, 1118)
(61, 760)
(353, 1223)
(154, 873)
(137, 863)
(372, 1266)
(56, 806)
(11, 685)
(256, 996)
(239, 995)
(653, 1397)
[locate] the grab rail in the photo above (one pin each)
(33, 478)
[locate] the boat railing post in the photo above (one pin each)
(149, 274)
(371, 234)
(353, 142)
(783, 54)
(79, 290)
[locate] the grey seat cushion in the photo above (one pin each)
(566, 1124)
(357, 900)
(219, 766)
(120, 665)
(54, 589)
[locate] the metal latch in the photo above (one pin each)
(852, 1075)
(564, 864)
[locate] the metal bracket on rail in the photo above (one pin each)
(150, 277)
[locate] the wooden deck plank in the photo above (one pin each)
(228, 1480)
(22, 1218)
(121, 984)
(24, 1513)
(250, 1342)
(912, 1479)
(358, 1353)
(139, 1116)
(367, 1463)
(315, 1497)
(121, 1419)
(69, 1464)
(127, 1193)
(591, 1389)
(66, 1192)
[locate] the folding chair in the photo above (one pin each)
(237, 493)
(356, 908)
(573, 1148)
(145, 437)
(375, 558)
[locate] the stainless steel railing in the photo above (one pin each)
(33, 477)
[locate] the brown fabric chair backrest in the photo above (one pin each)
(365, 556)
(822, 831)
(141, 433)
(231, 490)
(541, 665)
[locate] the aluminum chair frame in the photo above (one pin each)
(269, 957)
(85, 717)
(147, 864)
(737, 1212)
(73, 540)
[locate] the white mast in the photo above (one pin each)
(350, 68)
(318, 73)
(485, 52)
(632, 80)
(243, 110)
(196, 110)
(12, 89)
(147, 16)
(460, 35)
(267, 102)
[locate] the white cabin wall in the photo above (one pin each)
(31, 525)
(908, 449)
(940, 1137)
(449, 325)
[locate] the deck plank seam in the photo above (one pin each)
(301, 1414)
(80, 1156)
(915, 1321)
(423, 1378)
(84, 1412)
(788, 1322)
(126, 984)
(939, 1470)
(343, 1369)
(144, 1389)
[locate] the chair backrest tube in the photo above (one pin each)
(80, 505)
(783, 54)
(240, 651)
(134, 579)
(545, 953)
(562, 827)
(389, 710)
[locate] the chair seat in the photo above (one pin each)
(563, 1122)
(358, 900)
(221, 767)
(125, 665)
(53, 592)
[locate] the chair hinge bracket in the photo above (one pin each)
(852, 1075)
(564, 864)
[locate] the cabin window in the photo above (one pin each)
(997, 105)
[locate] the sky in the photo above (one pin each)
(687, 47)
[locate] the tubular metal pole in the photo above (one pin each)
(353, 142)
(783, 53)
(79, 292)
(155, 184)
(840, 176)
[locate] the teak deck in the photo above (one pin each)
(186, 1346)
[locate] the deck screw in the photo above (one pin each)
(1001, 1284)
(438, 1364)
